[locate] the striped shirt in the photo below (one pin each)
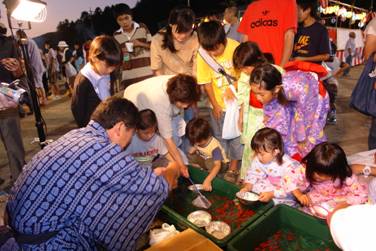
(88, 190)
(136, 64)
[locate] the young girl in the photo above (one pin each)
(266, 83)
(147, 146)
(331, 178)
(246, 57)
(273, 174)
(92, 84)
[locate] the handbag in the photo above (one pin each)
(363, 97)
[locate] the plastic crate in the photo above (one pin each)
(313, 231)
(176, 212)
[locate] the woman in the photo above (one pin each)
(173, 49)
(167, 96)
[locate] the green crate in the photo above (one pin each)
(176, 212)
(307, 229)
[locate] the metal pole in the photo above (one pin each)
(33, 94)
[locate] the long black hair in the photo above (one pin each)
(183, 18)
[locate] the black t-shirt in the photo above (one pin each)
(311, 41)
(8, 49)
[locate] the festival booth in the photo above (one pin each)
(340, 36)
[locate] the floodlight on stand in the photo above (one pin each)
(27, 10)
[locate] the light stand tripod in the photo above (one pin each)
(34, 98)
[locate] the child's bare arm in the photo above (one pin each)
(213, 173)
(240, 120)
(302, 198)
(247, 187)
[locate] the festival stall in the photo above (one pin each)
(339, 15)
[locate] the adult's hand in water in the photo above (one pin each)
(184, 171)
(170, 173)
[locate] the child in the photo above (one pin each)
(134, 39)
(273, 174)
(266, 83)
(331, 178)
(246, 57)
(92, 84)
(147, 146)
(206, 149)
(212, 39)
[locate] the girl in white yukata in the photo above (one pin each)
(272, 174)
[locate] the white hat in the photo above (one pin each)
(62, 44)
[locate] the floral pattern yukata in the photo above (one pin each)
(281, 179)
(279, 117)
(352, 191)
(310, 106)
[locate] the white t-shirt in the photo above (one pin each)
(152, 94)
(353, 228)
(145, 151)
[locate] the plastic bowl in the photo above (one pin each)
(200, 218)
(218, 229)
(198, 186)
(247, 198)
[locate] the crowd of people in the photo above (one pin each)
(135, 100)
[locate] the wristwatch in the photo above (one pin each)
(366, 171)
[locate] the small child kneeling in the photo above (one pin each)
(147, 146)
(206, 152)
(272, 174)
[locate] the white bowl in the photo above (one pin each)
(218, 229)
(200, 218)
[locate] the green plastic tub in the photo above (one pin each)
(225, 207)
(284, 228)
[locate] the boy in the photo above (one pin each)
(134, 39)
(312, 40)
(147, 146)
(212, 38)
(206, 150)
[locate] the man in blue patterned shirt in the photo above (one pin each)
(82, 191)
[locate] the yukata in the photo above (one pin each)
(279, 117)
(253, 117)
(310, 107)
(352, 191)
(281, 179)
(86, 190)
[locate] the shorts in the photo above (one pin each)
(233, 147)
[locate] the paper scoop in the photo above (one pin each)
(201, 201)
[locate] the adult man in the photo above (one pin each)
(10, 130)
(232, 23)
(134, 40)
(272, 25)
(83, 191)
(36, 65)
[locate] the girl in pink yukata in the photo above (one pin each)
(273, 174)
(331, 178)
(266, 84)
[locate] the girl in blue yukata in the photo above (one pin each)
(273, 174)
